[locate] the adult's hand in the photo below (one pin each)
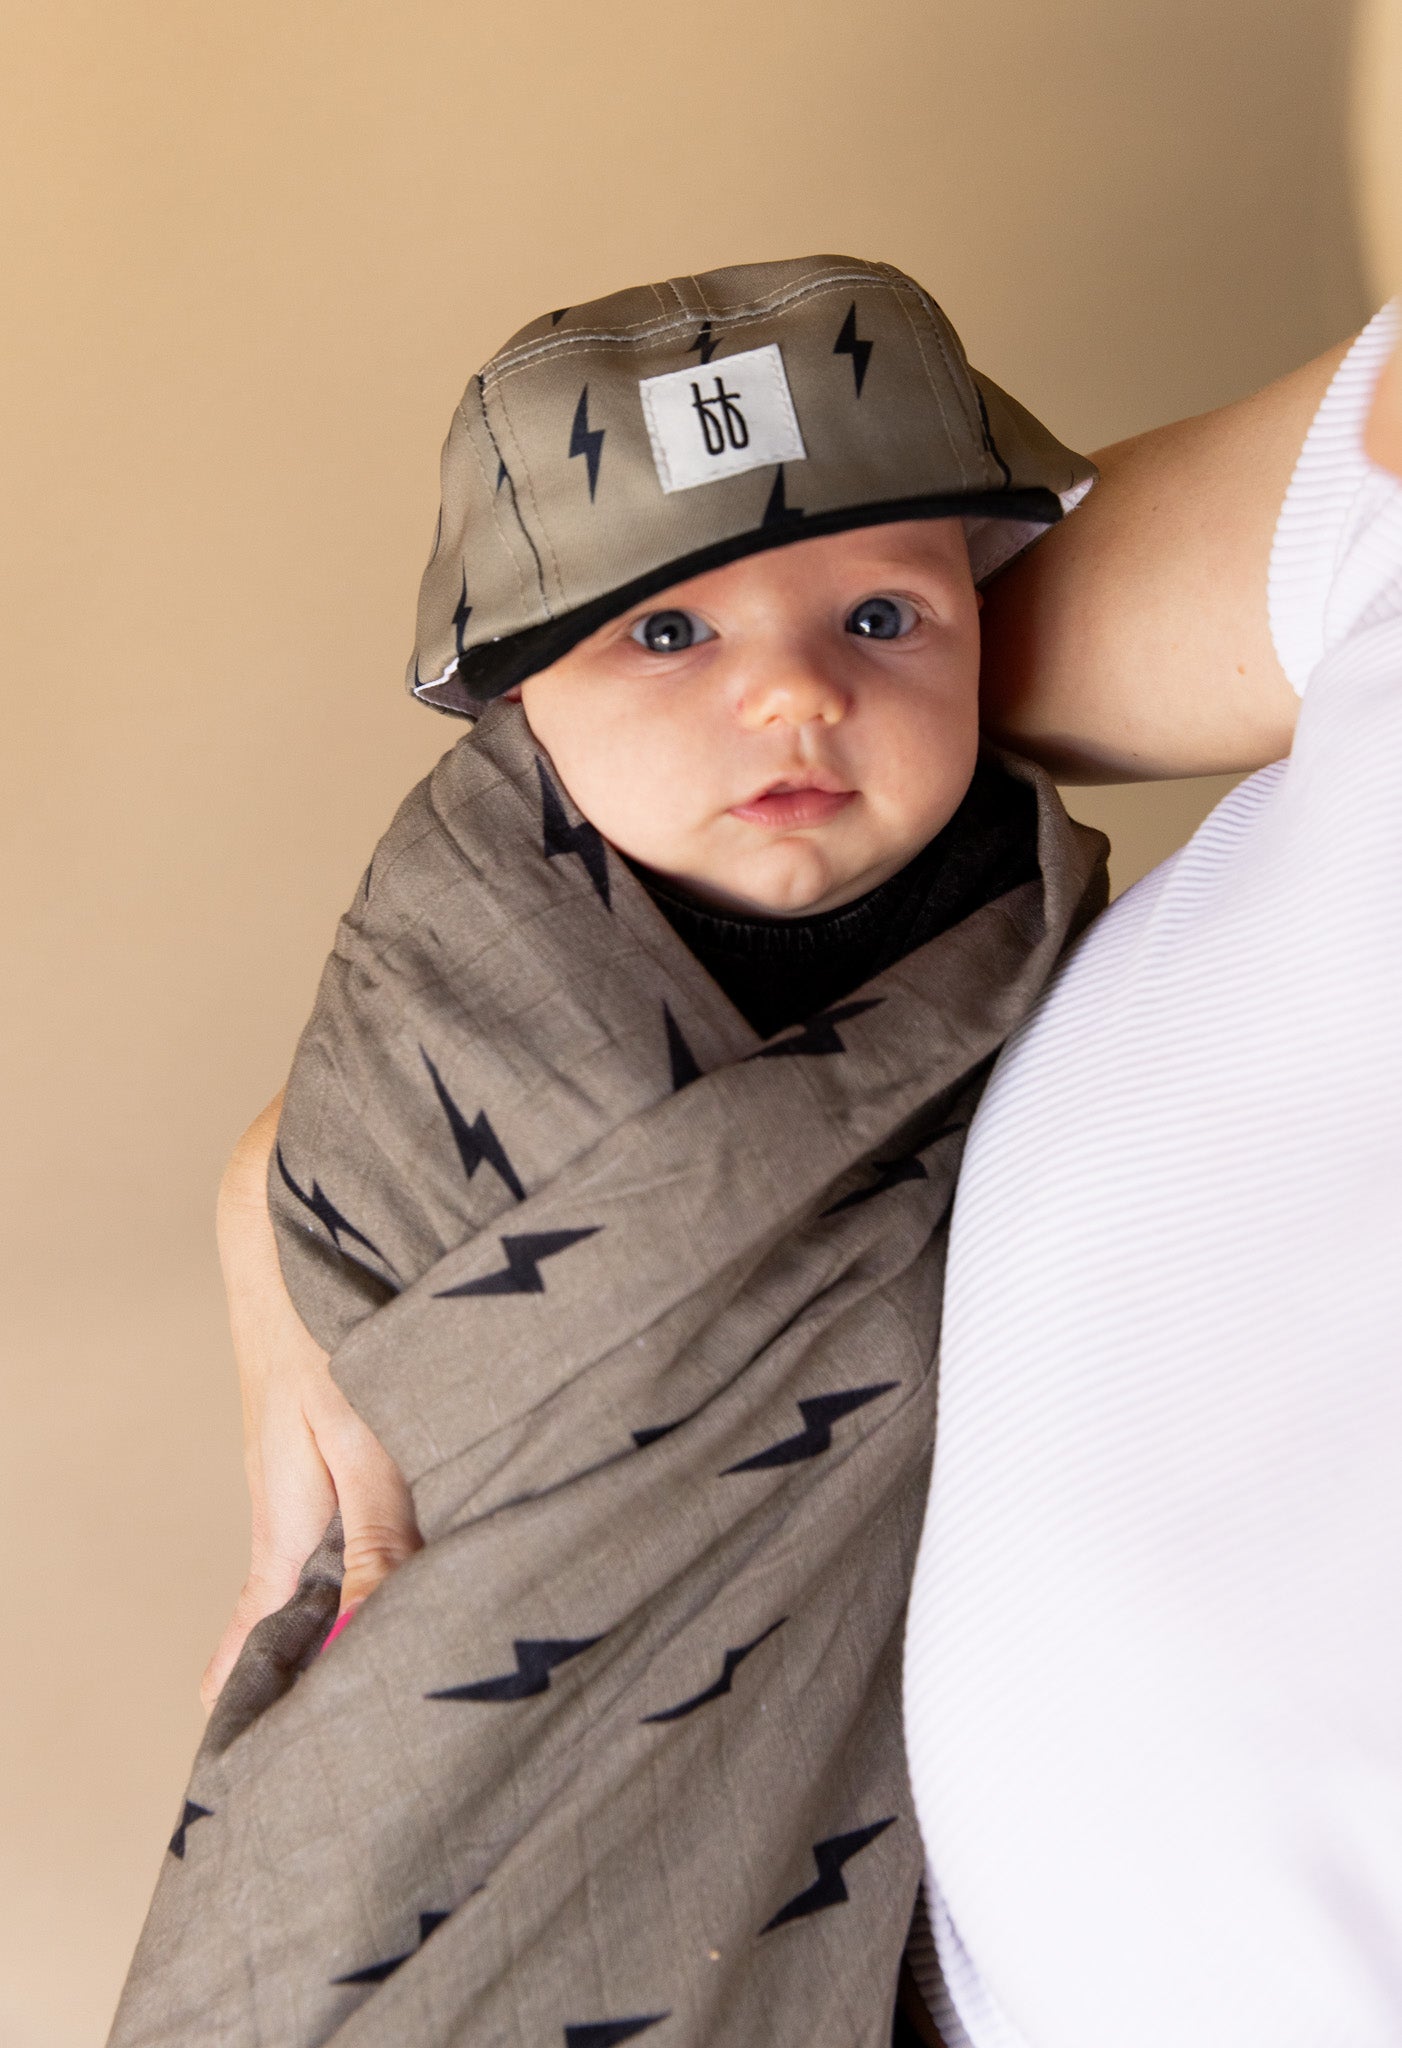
(306, 1451)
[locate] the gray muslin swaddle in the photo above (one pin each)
(647, 1311)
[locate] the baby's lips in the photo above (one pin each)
(793, 808)
(340, 1622)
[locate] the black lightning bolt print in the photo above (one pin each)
(521, 1273)
(477, 1143)
(534, 1663)
(683, 1059)
(643, 1437)
(502, 471)
(830, 1888)
(326, 1212)
(730, 1664)
(704, 344)
(889, 1176)
(375, 1973)
(819, 1034)
(586, 440)
(893, 1173)
(562, 837)
(608, 2033)
(778, 508)
(461, 615)
(191, 1813)
(819, 1414)
(850, 343)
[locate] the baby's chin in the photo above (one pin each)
(788, 878)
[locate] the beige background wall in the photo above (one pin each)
(250, 255)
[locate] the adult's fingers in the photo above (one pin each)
(377, 1511)
(306, 1450)
(290, 1488)
(324, 1459)
(293, 1499)
(263, 1593)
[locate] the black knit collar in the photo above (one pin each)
(779, 970)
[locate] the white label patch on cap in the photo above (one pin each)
(731, 414)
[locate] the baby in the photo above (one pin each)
(614, 1173)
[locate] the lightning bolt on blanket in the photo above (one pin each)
(647, 1310)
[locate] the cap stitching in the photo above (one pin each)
(935, 393)
(639, 331)
(492, 493)
(535, 508)
(963, 380)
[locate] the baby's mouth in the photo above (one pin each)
(793, 805)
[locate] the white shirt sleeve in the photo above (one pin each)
(1337, 557)
(1154, 1660)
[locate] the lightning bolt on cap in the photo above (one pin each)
(612, 449)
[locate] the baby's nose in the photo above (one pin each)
(792, 693)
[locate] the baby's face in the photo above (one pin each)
(780, 735)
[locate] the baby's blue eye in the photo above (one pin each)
(670, 632)
(882, 618)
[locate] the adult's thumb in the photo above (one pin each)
(377, 1516)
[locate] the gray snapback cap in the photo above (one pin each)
(613, 449)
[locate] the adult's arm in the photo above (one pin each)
(1134, 641)
(306, 1451)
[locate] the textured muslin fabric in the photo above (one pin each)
(1153, 1676)
(646, 1309)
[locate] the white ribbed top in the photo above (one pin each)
(1154, 1661)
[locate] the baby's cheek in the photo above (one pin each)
(647, 806)
(924, 786)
